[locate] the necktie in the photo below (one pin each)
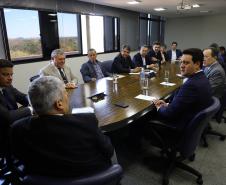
(10, 104)
(63, 75)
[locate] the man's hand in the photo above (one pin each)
(70, 85)
(160, 103)
(136, 70)
(151, 66)
(154, 59)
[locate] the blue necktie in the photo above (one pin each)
(10, 104)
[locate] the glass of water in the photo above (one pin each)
(166, 76)
(115, 78)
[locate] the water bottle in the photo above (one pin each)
(142, 75)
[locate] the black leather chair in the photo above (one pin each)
(218, 117)
(110, 176)
(186, 142)
(107, 65)
(34, 77)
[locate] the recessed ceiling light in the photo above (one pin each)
(195, 5)
(159, 9)
(134, 2)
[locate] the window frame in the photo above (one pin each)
(44, 55)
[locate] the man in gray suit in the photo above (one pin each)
(58, 69)
(214, 72)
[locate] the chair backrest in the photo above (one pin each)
(195, 128)
(222, 108)
(110, 176)
(34, 77)
(107, 65)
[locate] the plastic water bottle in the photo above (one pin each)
(142, 75)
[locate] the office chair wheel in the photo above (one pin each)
(222, 138)
(199, 180)
(192, 157)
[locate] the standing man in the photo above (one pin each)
(10, 96)
(174, 53)
(93, 70)
(58, 69)
(214, 72)
(122, 62)
(55, 142)
(155, 55)
(141, 58)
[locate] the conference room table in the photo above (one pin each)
(112, 117)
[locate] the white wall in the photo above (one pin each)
(23, 72)
(196, 31)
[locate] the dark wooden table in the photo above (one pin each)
(111, 117)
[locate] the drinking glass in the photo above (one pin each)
(145, 84)
(166, 76)
(115, 78)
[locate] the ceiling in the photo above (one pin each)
(147, 6)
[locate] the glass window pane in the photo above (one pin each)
(23, 33)
(92, 33)
(68, 32)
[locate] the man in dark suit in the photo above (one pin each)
(122, 62)
(93, 70)
(154, 54)
(174, 53)
(55, 142)
(141, 58)
(10, 96)
(214, 72)
(193, 96)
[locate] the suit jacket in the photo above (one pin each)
(138, 62)
(67, 145)
(169, 54)
(216, 76)
(51, 70)
(122, 65)
(193, 96)
(88, 72)
(157, 55)
(15, 97)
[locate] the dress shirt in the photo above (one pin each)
(98, 71)
(174, 55)
(144, 61)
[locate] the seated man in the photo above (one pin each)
(58, 69)
(141, 58)
(123, 63)
(55, 142)
(154, 54)
(92, 70)
(193, 96)
(214, 72)
(10, 96)
(174, 53)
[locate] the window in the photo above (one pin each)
(23, 33)
(151, 29)
(68, 32)
(92, 33)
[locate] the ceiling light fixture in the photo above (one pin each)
(195, 5)
(134, 2)
(159, 9)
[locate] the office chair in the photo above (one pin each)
(110, 176)
(33, 78)
(107, 65)
(219, 116)
(186, 142)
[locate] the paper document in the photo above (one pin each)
(82, 110)
(167, 83)
(134, 73)
(111, 78)
(144, 97)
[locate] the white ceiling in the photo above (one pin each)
(147, 6)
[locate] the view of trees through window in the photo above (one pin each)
(23, 33)
(68, 34)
